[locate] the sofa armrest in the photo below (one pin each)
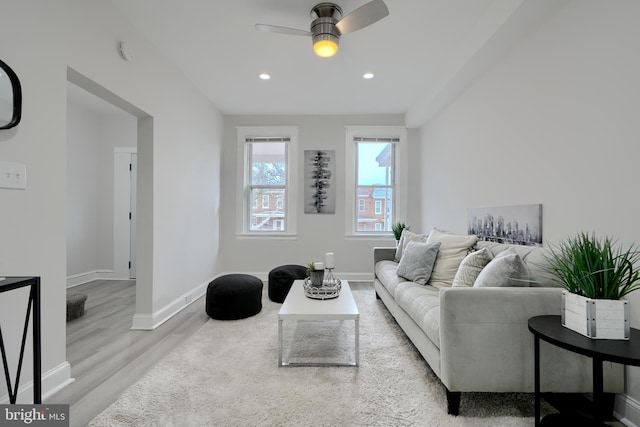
(485, 343)
(383, 254)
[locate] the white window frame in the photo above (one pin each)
(362, 205)
(377, 207)
(265, 197)
(400, 170)
(243, 176)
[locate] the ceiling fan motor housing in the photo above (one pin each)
(325, 17)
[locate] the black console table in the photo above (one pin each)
(33, 310)
(550, 329)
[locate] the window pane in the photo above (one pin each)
(269, 213)
(378, 209)
(268, 160)
(375, 163)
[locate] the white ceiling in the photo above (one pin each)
(422, 54)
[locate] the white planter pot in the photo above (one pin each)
(596, 318)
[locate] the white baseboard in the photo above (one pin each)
(148, 322)
(89, 276)
(627, 410)
(52, 381)
(356, 277)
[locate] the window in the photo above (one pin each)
(376, 194)
(267, 180)
(375, 180)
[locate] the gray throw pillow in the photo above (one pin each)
(417, 261)
(506, 269)
(471, 266)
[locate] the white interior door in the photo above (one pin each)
(133, 216)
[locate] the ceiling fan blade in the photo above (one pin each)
(282, 30)
(363, 16)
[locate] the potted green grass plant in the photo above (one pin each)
(596, 274)
(315, 273)
(397, 228)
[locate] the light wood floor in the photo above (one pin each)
(107, 357)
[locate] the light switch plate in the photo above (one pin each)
(13, 175)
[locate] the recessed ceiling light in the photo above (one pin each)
(265, 76)
(368, 76)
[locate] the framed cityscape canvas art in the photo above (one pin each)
(319, 181)
(516, 224)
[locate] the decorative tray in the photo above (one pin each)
(328, 290)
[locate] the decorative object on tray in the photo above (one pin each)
(329, 265)
(596, 276)
(315, 273)
(325, 291)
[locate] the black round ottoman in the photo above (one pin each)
(281, 278)
(234, 296)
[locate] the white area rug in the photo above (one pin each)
(226, 374)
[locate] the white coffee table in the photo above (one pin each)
(299, 307)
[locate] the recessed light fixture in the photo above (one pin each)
(368, 76)
(265, 76)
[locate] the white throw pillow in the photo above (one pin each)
(506, 269)
(406, 237)
(453, 249)
(417, 261)
(471, 266)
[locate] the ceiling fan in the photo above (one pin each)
(328, 24)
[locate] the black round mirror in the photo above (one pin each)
(10, 97)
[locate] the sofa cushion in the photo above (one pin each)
(506, 269)
(405, 238)
(417, 261)
(386, 274)
(471, 266)
(533, 256)
(422, 304)
(453, 249)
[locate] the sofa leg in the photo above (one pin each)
(377, 296)
(453, 402)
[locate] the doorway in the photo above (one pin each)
(125, 176)
(142, 194)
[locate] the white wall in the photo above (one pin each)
(317, 234)
(556, 122)
(40, 39)
(91, 138)
(84, 197)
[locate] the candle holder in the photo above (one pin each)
(329, 278)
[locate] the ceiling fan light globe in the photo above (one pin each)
(325, 48)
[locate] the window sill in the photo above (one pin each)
(274, 236)
(369, 236)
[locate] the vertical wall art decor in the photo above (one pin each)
(319, 181)
(518, 224)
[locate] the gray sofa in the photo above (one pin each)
(476, 339)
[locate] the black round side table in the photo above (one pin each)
(550, 329)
